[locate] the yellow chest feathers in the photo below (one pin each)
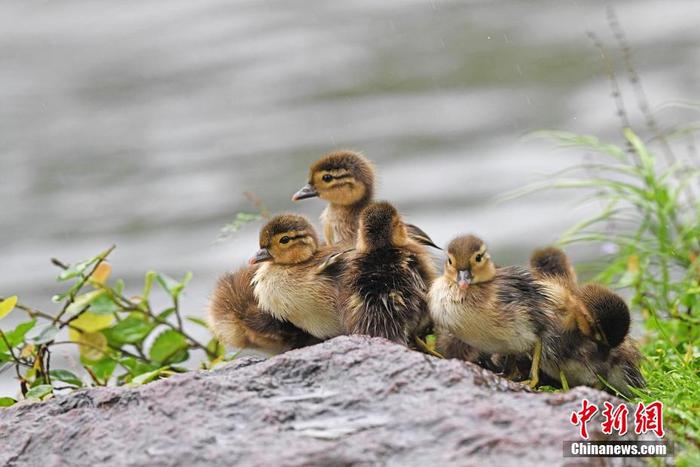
(298, 297)
(478, 321)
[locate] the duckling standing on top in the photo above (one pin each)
(387, 278)
(236, 319)
(297, 281)
(606, 351)
(346, 180)
(496, 311)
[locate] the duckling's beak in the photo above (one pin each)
(464, 278)
(307, 191)
(262, 255)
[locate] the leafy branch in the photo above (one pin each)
(121, 339)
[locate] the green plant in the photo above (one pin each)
(121, 339)
(648, 223)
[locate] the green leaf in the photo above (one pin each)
(163, 315)
(73, 289)
(148, 377)
(43, 335)
(136, 367)
(39, 392)
(104, 368)
(16, 336)
(119, 286)
(104, 305)
(639, 147)
(7, 401)
(7, 305)
(216, 348)
(67, 377)
(179, 356)
(83, 301)
(131, 330)
(171, 286)
(167, 346)
(148, 284)
(75, 270)
(198, 321)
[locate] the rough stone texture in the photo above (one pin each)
(348, 401)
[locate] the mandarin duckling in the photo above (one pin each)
(387, 278)
(345, 179)
(236, 319)
(297, 280)
(608, 352)
(598, 312)
(501, 311)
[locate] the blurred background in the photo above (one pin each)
(142, 123)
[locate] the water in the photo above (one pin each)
(141, 123)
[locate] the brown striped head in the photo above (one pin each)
(468, 261)
(380, 227)
(344, 178)
(286, 239)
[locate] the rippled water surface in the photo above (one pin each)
(142, 123)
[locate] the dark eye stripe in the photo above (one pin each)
(297, 237)
(340, 177)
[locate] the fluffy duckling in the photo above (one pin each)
(297, 280)
(609, 353)
(495, 310)
(346, 180)
(385, 285)
(236, 319)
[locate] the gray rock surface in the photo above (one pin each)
(348, 401)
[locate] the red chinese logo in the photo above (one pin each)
(615, 419)
(583, 416)
(647, 418)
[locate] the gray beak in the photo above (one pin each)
(262, 255)
(307, 191)
(464, 278)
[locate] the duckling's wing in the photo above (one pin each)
(417, 234)
(332, 260)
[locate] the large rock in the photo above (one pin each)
(348, 401)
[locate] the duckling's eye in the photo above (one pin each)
(284, 240)
(327, 178)
(478, 258)
(449, 261)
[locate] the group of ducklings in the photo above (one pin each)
(375, 276)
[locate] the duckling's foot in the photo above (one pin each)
(531, 383)
(564, 381)
(420, 343)
(535, 368)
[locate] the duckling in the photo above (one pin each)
(297, 280)
(346, 180)
(236, 319)
(599, 313)
(502, 311)
(609, 353)
(552, 268)
(387, 278)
